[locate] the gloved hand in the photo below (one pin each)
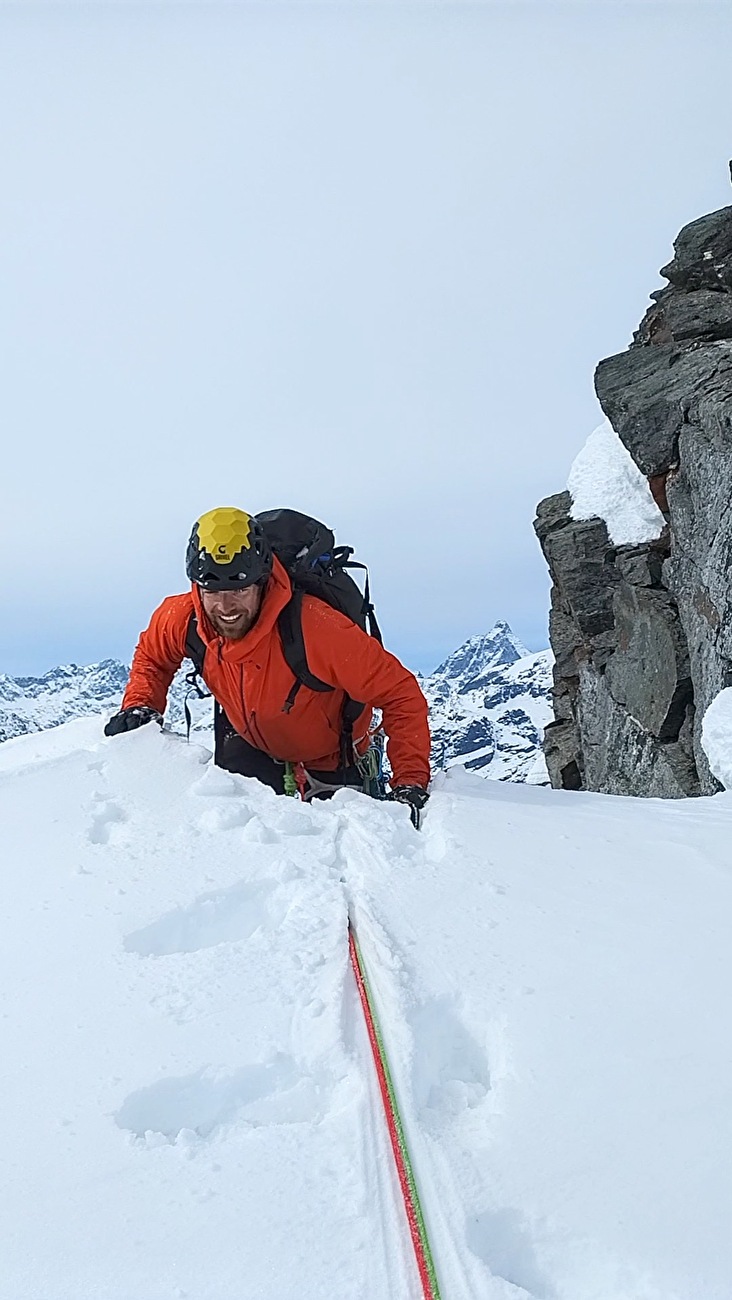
(129, 719)
(415, 796)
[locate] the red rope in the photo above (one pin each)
(301, 779)
(409, 1205)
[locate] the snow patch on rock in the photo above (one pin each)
(717, 737)
(605, 483)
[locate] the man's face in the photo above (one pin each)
(232, 613)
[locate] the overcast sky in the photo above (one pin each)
(359, 260)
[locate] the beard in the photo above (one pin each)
(233, 629)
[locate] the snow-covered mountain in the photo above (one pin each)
(489, 702)
(30, 704)
(36, 703)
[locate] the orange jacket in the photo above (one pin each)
(251, 681)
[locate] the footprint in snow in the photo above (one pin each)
(503, 1240)
(193, 1106)
(295, 819)
(258, 832)
(106, 821)
(226, 916)
(450, 1073)
(225, 817)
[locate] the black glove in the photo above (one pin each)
(130, 719)
(415, 796)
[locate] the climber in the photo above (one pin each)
(312, 725)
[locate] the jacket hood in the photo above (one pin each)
(276, 595)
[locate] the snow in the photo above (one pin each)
(192, 1109)
(605, 483)
(717, 737)
(56, 742)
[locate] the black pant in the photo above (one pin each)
(235, 754)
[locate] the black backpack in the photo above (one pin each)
(316, 567)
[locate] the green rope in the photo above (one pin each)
(288, 780)
(368, 764)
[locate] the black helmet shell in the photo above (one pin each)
(228, 550)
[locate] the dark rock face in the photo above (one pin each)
(642, 635)
(622, 689)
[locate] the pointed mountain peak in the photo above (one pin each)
(479, 653)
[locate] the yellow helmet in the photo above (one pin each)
(228, 549)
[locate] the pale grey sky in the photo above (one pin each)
(360, 260)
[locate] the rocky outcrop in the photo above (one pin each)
(623, 697)
(642, 635)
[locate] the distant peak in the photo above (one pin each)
(483, 651)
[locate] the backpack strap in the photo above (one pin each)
(195, 647)
(196, 652)
(351, 710)
(289, 625)
(368, 609)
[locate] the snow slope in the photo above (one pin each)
(189, 1094)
